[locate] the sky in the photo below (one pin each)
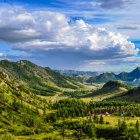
(89, 35)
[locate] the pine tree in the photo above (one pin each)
(137, 125)
(123, 128)
(119, 126)
(44, 110)
(63, 130)
(95, 118)
(101, 120)
(92, 132)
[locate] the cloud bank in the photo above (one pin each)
(44, 30)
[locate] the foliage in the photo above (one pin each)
(24, 115)
(39, 80)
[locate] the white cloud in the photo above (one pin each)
(2, 55)
(44, 30)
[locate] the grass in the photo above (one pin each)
(62, 97)
(48, 98)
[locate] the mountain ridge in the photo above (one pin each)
(130, 95)
(124, 76)
(110, 89)
(40, 80)
(76, 72)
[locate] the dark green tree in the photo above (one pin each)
(137, 126)
(101, 120)
(123, 128)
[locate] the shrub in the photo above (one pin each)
(24, 131)
(6, 137)
(107, 122)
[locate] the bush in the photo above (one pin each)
(24, 131)
(131, 124)
(6, 137)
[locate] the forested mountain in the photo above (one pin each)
(110, 89)
(131, 95)
(116, 84)
(39, 80)
(102, 78)
(129, 77)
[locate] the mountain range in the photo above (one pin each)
(31, 78)
(128, 77)
(76, 73)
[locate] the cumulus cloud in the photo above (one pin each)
(44, 31)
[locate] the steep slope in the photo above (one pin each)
(131, 95)
(40, 80)
(110, 89)
(135, 73)
(21, 112)
(102, 78)
(124, 76)
(130, 76)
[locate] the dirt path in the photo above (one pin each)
(55, 97)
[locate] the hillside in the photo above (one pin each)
(110, 89)
(132, 78)
(131, 95)
(102, 78)
(129, 76)
(39, 80)
(21, 112)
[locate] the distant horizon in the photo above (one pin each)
(100, 72)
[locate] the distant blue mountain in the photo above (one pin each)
(76, 73)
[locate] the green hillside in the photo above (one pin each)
(131, 95)
(39, 80)
(21, 112)
(102, 78)
(110, 89)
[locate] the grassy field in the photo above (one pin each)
(56, 134)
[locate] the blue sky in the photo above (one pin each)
(95, 35)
